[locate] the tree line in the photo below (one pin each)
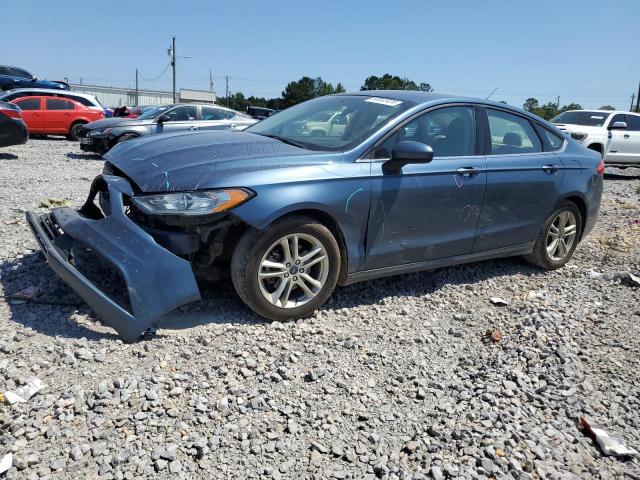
(307, 88)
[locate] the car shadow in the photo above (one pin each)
(622, 176)
(59, 309)
(84, 156)
(8, 156)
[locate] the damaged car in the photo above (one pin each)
(411, 181)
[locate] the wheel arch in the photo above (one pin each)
(579, 202)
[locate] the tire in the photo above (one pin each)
(259, 246)
(73, 131)
(543, 254)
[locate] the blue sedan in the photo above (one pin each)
(336, 190)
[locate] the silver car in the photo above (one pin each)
(101, 136)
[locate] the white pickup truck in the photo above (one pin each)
(615, 134)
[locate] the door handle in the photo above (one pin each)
(626, 135)
(467, 171)
(193, 127)
(550, 168)
(232, 125)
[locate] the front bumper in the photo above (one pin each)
(95, 143)
(157, 281)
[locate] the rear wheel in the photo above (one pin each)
(558, 238)
(288, 270)
(74, 131)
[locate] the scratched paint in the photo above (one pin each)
(459, 181)
(166, 177)
(346, 207)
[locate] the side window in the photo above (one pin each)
(84, 101)
(553, 140)
(4, 70)
(56, 104)
(511, 134)
(633, 123)
(70, 105)
(182, 113)
(16, 72)
(450, 131)
(619, 117)
(212, 113)
(29, 104)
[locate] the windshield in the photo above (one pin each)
(590, 119)
(152, 112)
(334, 122)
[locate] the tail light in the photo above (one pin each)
(11, 113)
(600, 167)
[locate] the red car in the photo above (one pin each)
(55, 115)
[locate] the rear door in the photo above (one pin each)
(58, 115)
(212, 118)
(523, 182)
(32, 113)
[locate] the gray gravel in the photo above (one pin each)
(419, 376)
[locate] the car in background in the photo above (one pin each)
(86, 99)
(46, 115)
(100, 137)
(614, 134)
(416, 181)
(13, 130)
(260, 113)
(14, 77)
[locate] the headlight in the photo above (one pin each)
(578, 136)
(192, 203)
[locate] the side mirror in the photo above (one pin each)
(618, 126)
(164, 118)
(405, 153)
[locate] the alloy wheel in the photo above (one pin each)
(561, 235)
(293, 270)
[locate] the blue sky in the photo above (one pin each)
(584, 51)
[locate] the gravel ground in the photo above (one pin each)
(418, 376)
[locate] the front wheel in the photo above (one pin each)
(558, 238)
(288, 270)
(74, 132)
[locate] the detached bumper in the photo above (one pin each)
(157, 281)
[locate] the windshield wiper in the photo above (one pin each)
(286, 140)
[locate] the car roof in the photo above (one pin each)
(624, 112)
(44, 91)
(416, 96)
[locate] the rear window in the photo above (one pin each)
(29, 104)
(84, 101)
(553, 140)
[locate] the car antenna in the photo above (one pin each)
(492, 92)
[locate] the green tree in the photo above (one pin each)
(607, 107)
(393, 82)
(531, 105)
(571, 106)
(307, 88)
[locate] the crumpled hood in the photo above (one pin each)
(115, 122)
(191, 161)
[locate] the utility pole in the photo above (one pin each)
(638, 99)
(173, 64)
(227, 90)
(137, 87)
(633, 96)
(558, 101)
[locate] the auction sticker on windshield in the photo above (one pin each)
(384, 101)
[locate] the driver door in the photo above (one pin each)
(427, 211)
(181, 118)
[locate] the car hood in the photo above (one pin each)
(192, 161)
(116, 122)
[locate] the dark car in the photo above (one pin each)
(13, 130)
(414, 181)
(260, 113)
(101, 136)
(14, 77)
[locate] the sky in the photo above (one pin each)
(582, 51)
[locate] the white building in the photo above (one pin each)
(117, 97)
